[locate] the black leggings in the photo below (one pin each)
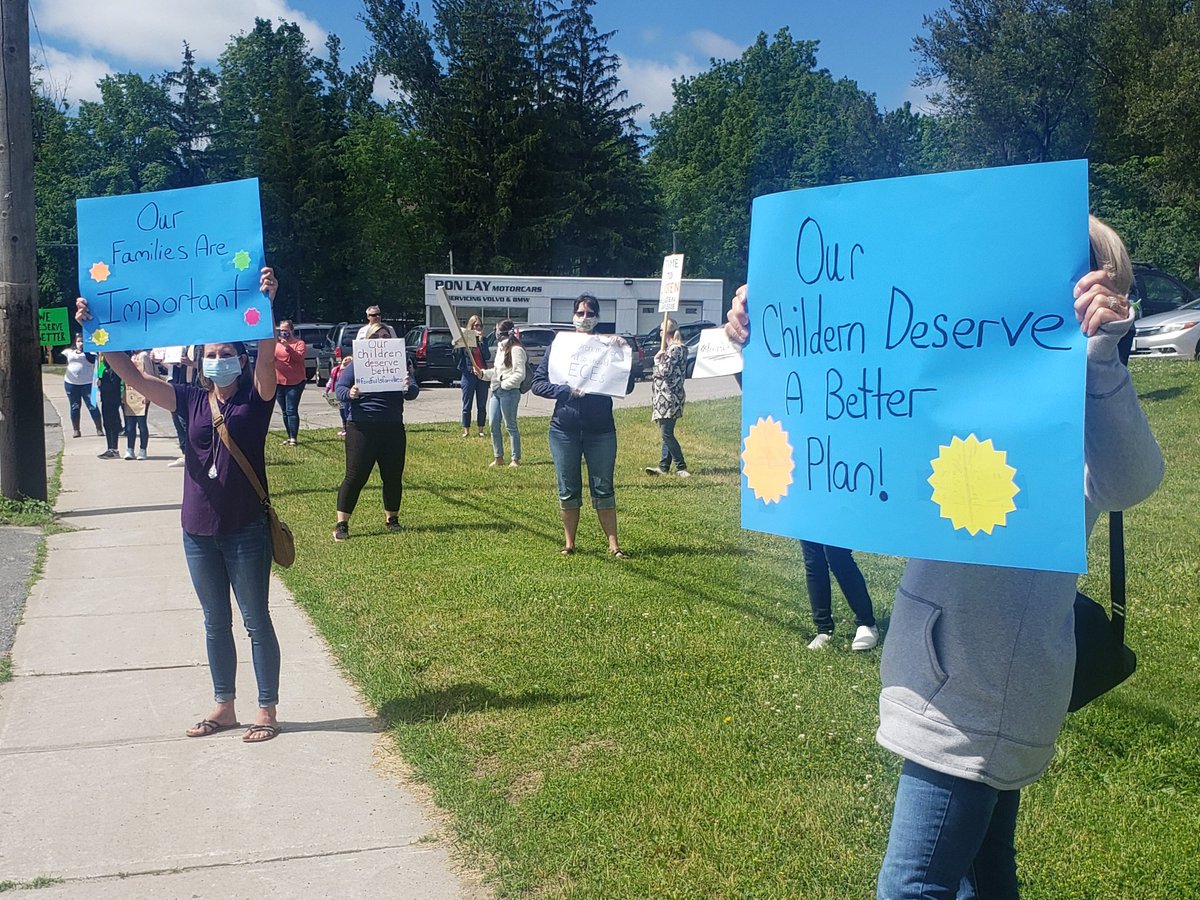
(368, 444)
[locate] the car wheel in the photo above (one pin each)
(310, 374)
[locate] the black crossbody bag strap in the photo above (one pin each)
(1116, 571)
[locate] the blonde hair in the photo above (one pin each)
(1110, 254)
(671, 329)
(474, 322)
(375, 329)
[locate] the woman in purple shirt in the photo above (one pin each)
(225, 533)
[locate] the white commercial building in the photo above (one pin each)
(630, 304)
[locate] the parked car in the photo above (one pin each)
(1157, 291)
(342, 335)
(687, 330)
(538, 337)
(1173, 334)
(314, 335)
(431, 351)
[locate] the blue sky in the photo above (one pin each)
(657, 40)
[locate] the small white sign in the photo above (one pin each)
(168, 356)
(380, 364)
(592, 363)
(672, 283)
(716, 354)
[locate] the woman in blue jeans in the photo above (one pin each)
(582, 428)
(506, 377)
(474, 388)
(819, 561)
(979, 660)
(225, 534)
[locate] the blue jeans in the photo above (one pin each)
(819, 559)
(670, 447)
(136, 429)
(81, 395)
(504, 403)
(474, 391)
(288, 398)
(241, 560)
(951, 839)
(568, 451)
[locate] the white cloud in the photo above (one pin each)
(71, 76)
(714, 46)
(648, 81)
(146, 33)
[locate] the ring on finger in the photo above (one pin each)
(1115, 304)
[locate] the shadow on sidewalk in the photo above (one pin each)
(114, 510)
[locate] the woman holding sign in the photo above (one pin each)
(667, 399)
(375, 436)
(506, 377)
(582, 428)
(978, 663)
(474, 389)
(225, 534)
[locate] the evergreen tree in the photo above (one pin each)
(193, 116)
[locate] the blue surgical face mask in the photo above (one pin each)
(223, 371)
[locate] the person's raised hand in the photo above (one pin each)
(1098, 302)
(737, 320)
(82, 311)
(267, 282)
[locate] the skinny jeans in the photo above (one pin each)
(819, 560)
(670, 446)
(110, 412)
(503, 405)
(288, 398)
(240, 560)
(951, 839)
(81, 395)
(135, 426)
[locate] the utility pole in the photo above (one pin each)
(22, 426)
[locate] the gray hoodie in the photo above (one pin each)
(978, 662)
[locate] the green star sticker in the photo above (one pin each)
(241, 260)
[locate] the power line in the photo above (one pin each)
(45, 56)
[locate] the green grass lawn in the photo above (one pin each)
(656, 727)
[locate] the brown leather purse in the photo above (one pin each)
(283, 544)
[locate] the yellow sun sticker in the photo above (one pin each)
(100, 337)
(767, 460)
(973, 484)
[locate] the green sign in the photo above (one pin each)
(53, 326)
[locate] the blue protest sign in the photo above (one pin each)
(173, 267)
(914, 379)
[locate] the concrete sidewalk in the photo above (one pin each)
(99, 786)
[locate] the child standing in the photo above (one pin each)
(136, 406)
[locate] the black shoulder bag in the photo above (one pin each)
(1102, 661)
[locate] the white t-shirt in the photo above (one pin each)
(79, 368)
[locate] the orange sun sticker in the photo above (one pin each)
(973, 484)
(99, 271)
(767, 460)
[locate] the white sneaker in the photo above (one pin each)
(176, 463)
(820, 641)
(684, 473)
(129, 454)
(865, 638)
(142, 454)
